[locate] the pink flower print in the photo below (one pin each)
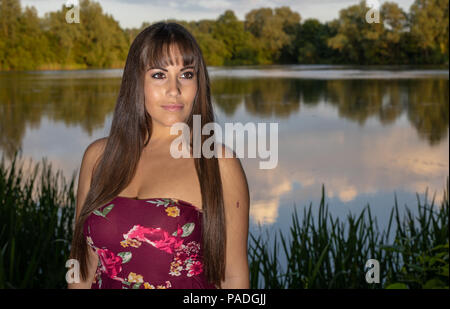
(111, 264)
(187, 255)
(156, 237)
(179, 230)
(138, 231)
(195, 269)
(192, 247)
(182, 255)
(168, 243)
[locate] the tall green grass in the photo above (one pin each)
(333, 254)
(36, 215)
(36, 221)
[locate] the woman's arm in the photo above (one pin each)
(90, 158)
(236, 202)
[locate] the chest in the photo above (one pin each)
(165, 177)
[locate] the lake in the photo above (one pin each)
(365, 133)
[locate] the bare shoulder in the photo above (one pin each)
(229, 163)
(96, 147)
(94, 151)
(234, 180)
(225, 152)
(89, 162)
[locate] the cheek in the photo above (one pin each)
(192, 92)
(152, 96)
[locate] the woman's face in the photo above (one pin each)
(170, 86)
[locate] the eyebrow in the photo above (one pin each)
(185, 68)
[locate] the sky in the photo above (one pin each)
(132, 13)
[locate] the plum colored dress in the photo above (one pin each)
(150, 243)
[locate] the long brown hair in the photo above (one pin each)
(131, 125)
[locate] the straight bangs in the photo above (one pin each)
(160, 52)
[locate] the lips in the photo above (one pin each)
(172, 107)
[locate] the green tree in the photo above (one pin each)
(266, 36)
(236, 41)
(33, 48)
(97, 41)
(10, 12)
(273, 30)
(395, 22)
(291, 26)
(23, 41)
(359, 40)
(214, 51)
(429, 27)
(311, 44)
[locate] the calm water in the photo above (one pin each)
(365, 133)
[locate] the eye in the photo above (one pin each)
(190, 75)
(156, 74)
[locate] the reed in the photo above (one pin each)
(36, 214)
(36, 222)
(332, 254)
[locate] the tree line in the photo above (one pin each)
(266, 36)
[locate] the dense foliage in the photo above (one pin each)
(266, 36)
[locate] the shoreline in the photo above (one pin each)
(68, 68)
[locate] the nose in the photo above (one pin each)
(173, 89)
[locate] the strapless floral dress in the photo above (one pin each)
(150, 243)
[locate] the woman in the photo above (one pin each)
(187, 225)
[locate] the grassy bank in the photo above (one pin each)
(36, 214)
(333, 254)
(37, 211)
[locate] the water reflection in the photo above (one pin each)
(26, 98)
(362, 137)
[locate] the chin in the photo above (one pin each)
(169, 122)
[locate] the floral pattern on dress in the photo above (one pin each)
(186, 256)
(172, 211)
